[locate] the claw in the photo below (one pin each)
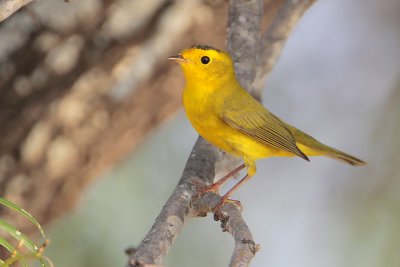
(225, 200)
(235, 202)
(219, 214)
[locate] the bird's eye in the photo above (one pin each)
(205, 60)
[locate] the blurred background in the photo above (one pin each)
(94, 139)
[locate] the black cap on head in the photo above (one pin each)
(204, 47)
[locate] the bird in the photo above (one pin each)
(227, 116)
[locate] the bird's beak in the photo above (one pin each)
(178, 59)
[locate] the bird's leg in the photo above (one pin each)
(251, 170)
(215, 186)
(225, 198)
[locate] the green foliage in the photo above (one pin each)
(26, 248)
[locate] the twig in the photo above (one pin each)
(243, 37)
(272, 43)
(243, 34)
(8, 7)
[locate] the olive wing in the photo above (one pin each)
(251, 118)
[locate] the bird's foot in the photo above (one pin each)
(219, 215)
(208, 189)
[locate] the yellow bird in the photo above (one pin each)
(226, 115)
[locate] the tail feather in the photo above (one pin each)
(339, 155)
(320, 149)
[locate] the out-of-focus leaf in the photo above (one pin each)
(24, 213)
(6, 244)
(28, 243)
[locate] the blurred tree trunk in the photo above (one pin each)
(82, 83)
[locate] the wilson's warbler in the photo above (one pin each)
(226, 115)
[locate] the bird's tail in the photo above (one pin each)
(312, 147)
(339, 155)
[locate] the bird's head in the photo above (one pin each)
(203, 64)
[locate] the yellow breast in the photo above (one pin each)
(208, 123)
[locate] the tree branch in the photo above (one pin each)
(8, 7)
(243, 42)
(243, 34)
(271, 44)
(175, 212)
